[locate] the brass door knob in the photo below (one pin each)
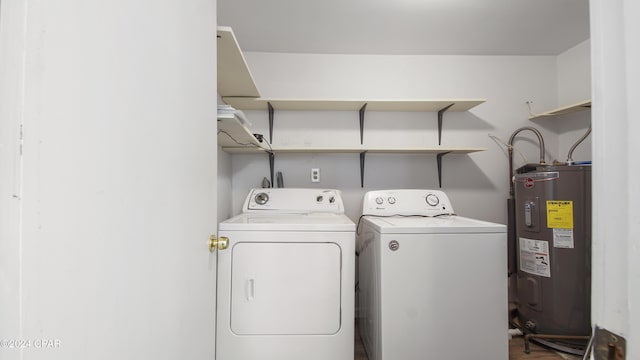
(221, 243)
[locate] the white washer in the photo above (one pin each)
(286, 282)
(431, 284)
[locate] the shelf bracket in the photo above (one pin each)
(440, 117)
(362, 110)
(439, 159)
(272, 158)
(362, 156)
(271, 115)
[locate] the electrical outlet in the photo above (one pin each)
(315, 174)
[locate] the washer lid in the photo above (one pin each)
(288, 222)
(449, 224)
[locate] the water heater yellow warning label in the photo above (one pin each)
(559, 214)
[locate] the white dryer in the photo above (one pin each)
(286, 281)
(432, 285)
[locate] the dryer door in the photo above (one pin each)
(285, 288)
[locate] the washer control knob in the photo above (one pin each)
(261, 198)
(319, 198)
(379, 200)
(432, 200)
(391, 200)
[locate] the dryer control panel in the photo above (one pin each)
(290, 200)
(406, 202)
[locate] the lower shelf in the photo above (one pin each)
(439, 151)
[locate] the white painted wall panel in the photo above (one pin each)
(574, 85)
(616, 242)
(119, 186)
(224, 186)
(574, 74)
(11, 113)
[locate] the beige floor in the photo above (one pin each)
(516, 351)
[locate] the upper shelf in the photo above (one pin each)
(583, 105)
(424, 105)
(354, 149)
(234, 77)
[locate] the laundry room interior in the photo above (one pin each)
(386, 179)
(512, 88)
(313, 123)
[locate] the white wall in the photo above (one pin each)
(225, 208)
(574, 85)
(616, 235)
(109, 204)
(477, 184)
(12, 43)
(574, 74)
(224, 185)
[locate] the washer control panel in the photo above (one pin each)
(406, 202)
(290, 200)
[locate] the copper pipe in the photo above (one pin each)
(527, 338)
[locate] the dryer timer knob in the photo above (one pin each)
(432, 200)
(261, 198)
